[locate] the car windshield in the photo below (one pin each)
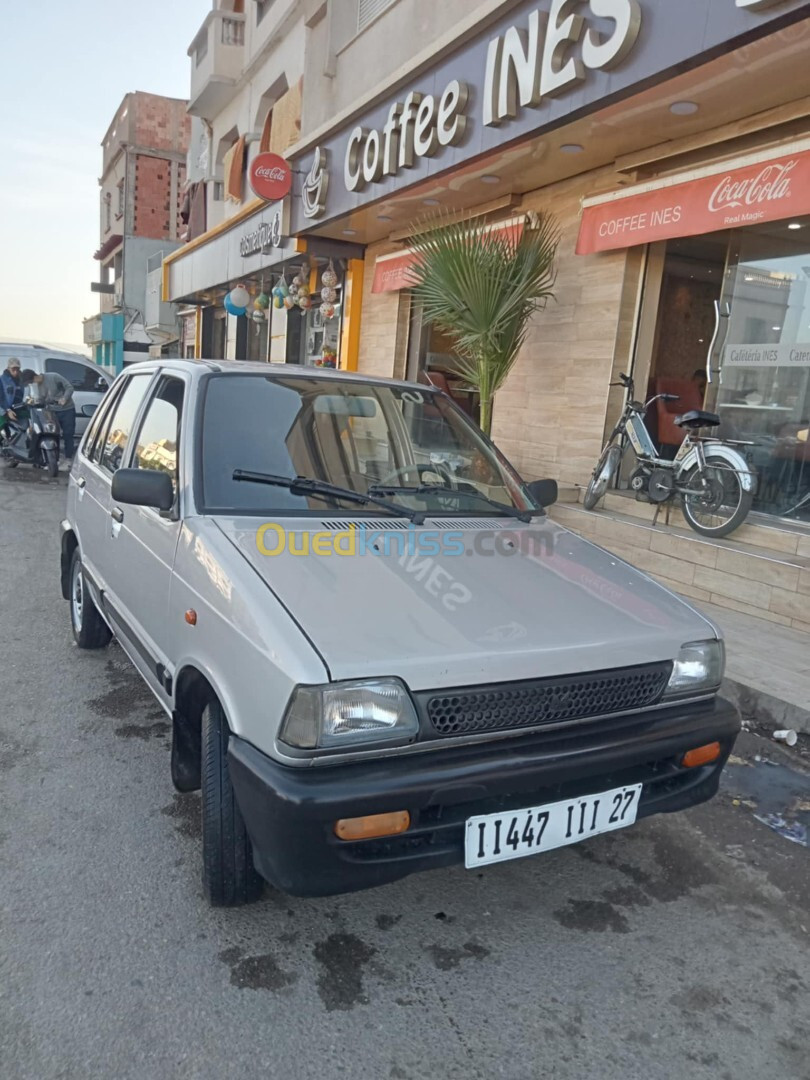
(405, 445)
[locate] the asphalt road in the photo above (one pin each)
(678, 948)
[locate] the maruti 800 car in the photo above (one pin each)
(378, 652)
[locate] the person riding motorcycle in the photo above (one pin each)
(11, 393)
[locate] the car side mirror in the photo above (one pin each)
(102, 385)
(543, 491)
(143, 487)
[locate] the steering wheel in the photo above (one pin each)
(438, 469)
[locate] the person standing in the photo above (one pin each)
(58, 393)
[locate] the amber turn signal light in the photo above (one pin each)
(701, 755)
(367, 828)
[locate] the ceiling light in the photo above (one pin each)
(571, 148)
(350, 232)
(384, 217)
(777, 328)
(490, 179)
(684, 108)
(794, 225)
(431, 202)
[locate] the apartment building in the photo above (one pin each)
(141, 186)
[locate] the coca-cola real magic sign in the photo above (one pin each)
(769, 190)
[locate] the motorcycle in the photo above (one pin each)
(32, 439)
(712, 480)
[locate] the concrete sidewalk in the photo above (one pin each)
(767, 668)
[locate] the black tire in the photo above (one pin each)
(602, 476)
(693, 506)
(89, 629)
(51, 463)
(229, 876)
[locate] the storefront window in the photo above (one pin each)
(752, 284)
(763, 394)
(432, 359)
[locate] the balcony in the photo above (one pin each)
(217, 60)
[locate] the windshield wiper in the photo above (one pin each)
(430, 489)
(303, 485)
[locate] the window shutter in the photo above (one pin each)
(368, 10)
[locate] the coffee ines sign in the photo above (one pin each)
(524, 75)
(551, 55)
(773, 189)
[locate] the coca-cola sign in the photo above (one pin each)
(270, 177)
(770, 183)
(772, 190)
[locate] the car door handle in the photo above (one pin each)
(81, 482)
(117, 514)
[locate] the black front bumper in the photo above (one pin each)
(290, 812)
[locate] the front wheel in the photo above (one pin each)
(229, 876)
(723, 503)
(602, 476)
(51, 463)
(89, 629)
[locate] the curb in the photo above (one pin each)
(765, 709)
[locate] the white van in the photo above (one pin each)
(89, 381)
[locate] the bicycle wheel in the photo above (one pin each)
(723, 504)
(602, 476)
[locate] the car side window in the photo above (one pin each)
(113, 443)
(156, 445)
(80, 376)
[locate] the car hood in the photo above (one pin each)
(440, 607)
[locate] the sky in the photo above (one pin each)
(64, 68)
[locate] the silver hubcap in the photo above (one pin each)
(77, 596)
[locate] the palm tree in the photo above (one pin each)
(480, 287)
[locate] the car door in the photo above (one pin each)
(144, 540)
(89, 386)
(93, 474)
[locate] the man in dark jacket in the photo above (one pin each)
(11, 381)
(11, 392)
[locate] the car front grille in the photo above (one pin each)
(536, 702)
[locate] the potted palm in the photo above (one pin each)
(480, 287)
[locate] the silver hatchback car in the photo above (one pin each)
(378, 652)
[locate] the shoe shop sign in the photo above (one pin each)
(526, 74)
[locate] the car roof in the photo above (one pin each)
(198, 368)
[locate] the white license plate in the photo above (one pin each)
(512, 834)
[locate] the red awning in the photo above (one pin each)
(110, 244)
(768, 189)
(392, 272)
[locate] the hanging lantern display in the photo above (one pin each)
(329, 278)
(289, 301)
(327, 311)
(262, 301)
(231, 307)
(298, 280)
(278, 300)
(240, 297)
(328, 294)
(305, 301)
(258, 315)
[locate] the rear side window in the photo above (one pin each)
(112, 446)
(80, 376)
